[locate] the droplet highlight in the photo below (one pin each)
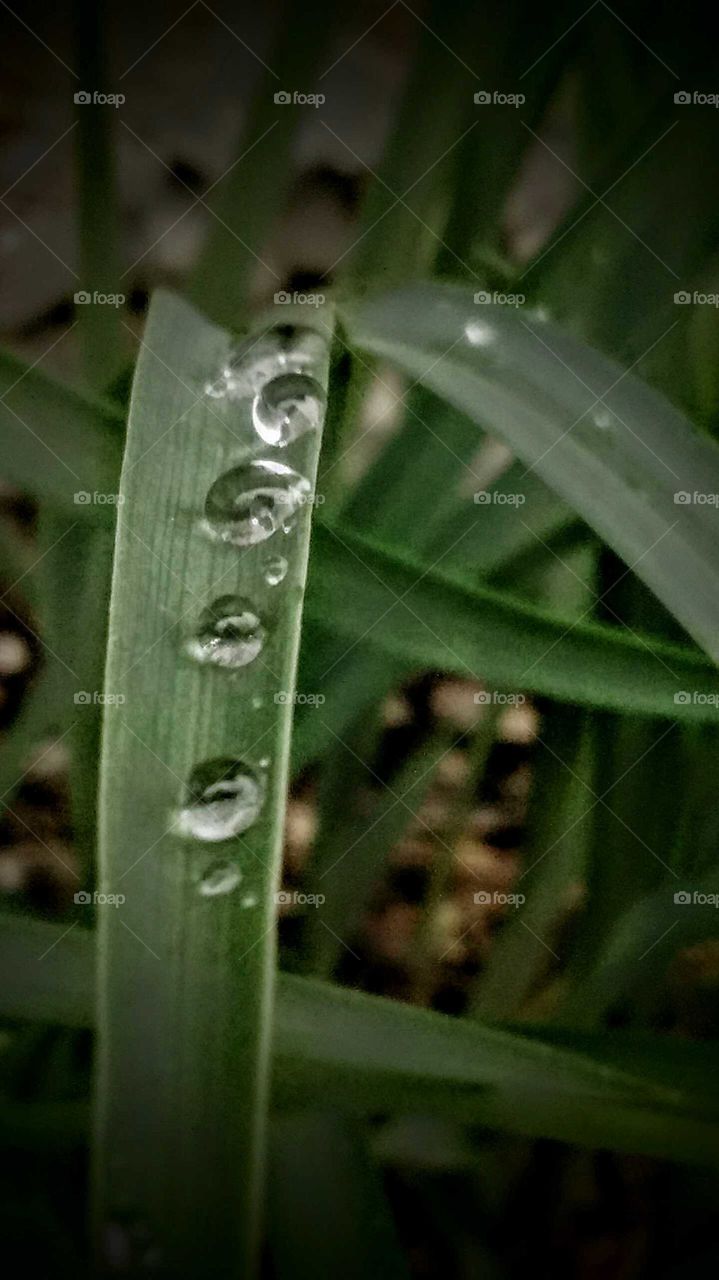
(220, 879)
(251, 502)
(275, 571)
(479, 334)
(229, 634)
(224, 797)
(256, 360)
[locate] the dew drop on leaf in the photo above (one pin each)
(229, 634)
(224, 797)
(249, 503)
(275, 570)
(286, 407)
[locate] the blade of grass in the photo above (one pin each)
(327, 1204)
(187, 963)
(365, 1055)
(611, 447)
(56, 443)
(421, 616)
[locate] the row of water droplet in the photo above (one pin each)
(245, 506)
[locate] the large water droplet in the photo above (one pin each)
(275, 570)
(251, 502)
(221, 878)
(479, 334)
(223, 799)
(286, 407)
(229, 634)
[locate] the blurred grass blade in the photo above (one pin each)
(100, 324)
(610, 446)
(187, 961)
(363, 1054)
(423, 617)
(250, 196)
(56, 443)
(328, 1212)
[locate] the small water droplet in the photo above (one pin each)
(221, 878)
(249, 900)
(229, 634)
(257, 702)
(286, 407)
(264, 762)
(479, 334)
(224, 797)
(275, 570)
(603, 419)
(251, 502)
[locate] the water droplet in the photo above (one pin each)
(257, 702)
(251, 502)
(264, 762)
(603, 419)
(254, 361)
(223, 799)
(221, 878)
(229, 634)
(275, 570)
(249, 900)
(286, 407)
(479, 334)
